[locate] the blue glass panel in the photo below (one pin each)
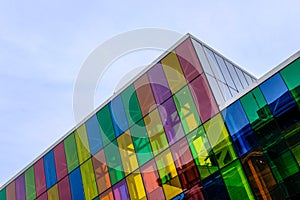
(118, 115)
(76, 185)
(239, 128)
(277, 95)
(214, 187)
(93, 133)
(50, 171)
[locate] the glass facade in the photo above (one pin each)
(165, 137)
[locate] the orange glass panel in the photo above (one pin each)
(108, 195)
(11, 191)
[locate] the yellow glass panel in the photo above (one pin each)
(88, 180)
(53, 193)
(127, 153)
(135, 186)
(173, 72)
(168, 174)
(82, 144)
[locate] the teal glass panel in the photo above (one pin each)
(236, 181)
(290, 75)
(71, 152)
(141, 142)
(3, 194)
(106, 125)
(187, 110)
(131, 105)
(114, 163)
(30, 183)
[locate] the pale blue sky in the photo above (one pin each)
(44, 43)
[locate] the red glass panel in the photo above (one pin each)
(64, 189)
(43, 197)
(60, 161)
(39, 173)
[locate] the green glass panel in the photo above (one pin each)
(219, 140)
(131, 105)
(256, 108)
(106, 125)
(71, 152)
(290, 75)
(296, 152)
(114, 162)
(30, 184)
(82, 144)
(3, 194)
(187, 110)
(88, 180)
(202, 152)
(236, 182)
(141, 142)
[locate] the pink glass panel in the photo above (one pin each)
(44, 196)
(39, 174)
(60, 161)
(11, 191)
(64, 189)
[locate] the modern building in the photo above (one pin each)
(193, 125)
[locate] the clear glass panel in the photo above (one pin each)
(234, 76)
(225, 71)
(135, 186)
(241, 77)
(225, 90)
(216, 90)
(248, 78)
(82, 144)
(202, 57)
(88, 180)
(214, 65)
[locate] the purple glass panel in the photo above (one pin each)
(39, 174)
(188, 60)
(171, 121)
(20, 188)
(121, 191)
(204, 100)
(159, 83)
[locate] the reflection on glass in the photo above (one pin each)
(214, 65)
(202, 57)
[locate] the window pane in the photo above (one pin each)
(60, 161)
(203, 98)
(248, 78)
(106, 125)
(136, 186)
(88, 180)
(11, 191)
(202, 57)
(236, 181)
(234, 76)
(64, 189)
(127, 153)
(20, 187)
(214, 187)
(108, 195)
(30, 183)
(187, 110)
(144, 94)
(93, 134)
(225, 71)
(159, 84)
(53, 193)
(82, 144)
(202, 153)
(39, 174)
(156, 132)
(3, 194)
(173, 72)
(224, 90)
(216, 90)
(118, 115)
(214, 65)
(50, 171)
(71, 152)
(241, 77)
(76, 184)
(121, 191)
(188, 60)
(131, 105)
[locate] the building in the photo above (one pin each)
(193, 125)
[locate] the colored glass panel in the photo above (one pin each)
(135, 186)
(187, 110)
(185, 165)
(76, 185)
(203, 98)
(290, 76)
(108, 195)
(82, 144)
(88, 180)
(239, 128)
(39, 174)
(101, 171)
(11, 191)
(202, 152)
(173, 72)
(106, 125)
(219, 140)
(64, 189)
(93, 133)
(296, 153)
(20, 187)
(50, 171)
(114, 162)
(131, 105)
(150, 178)
(188, 60)
(118, 115)
(260, 177)
(168, 175)
(43, 196)
(171, 121)
(144, 94)
(127, 153)
(156, 132)
(60, 161)
(141, 142)
(30, 183)
(121, 191)
(71, 152)
(278, 101)
(53, 193)
(159, 84)
(3, 194)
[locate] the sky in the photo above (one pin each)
(43, 45)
